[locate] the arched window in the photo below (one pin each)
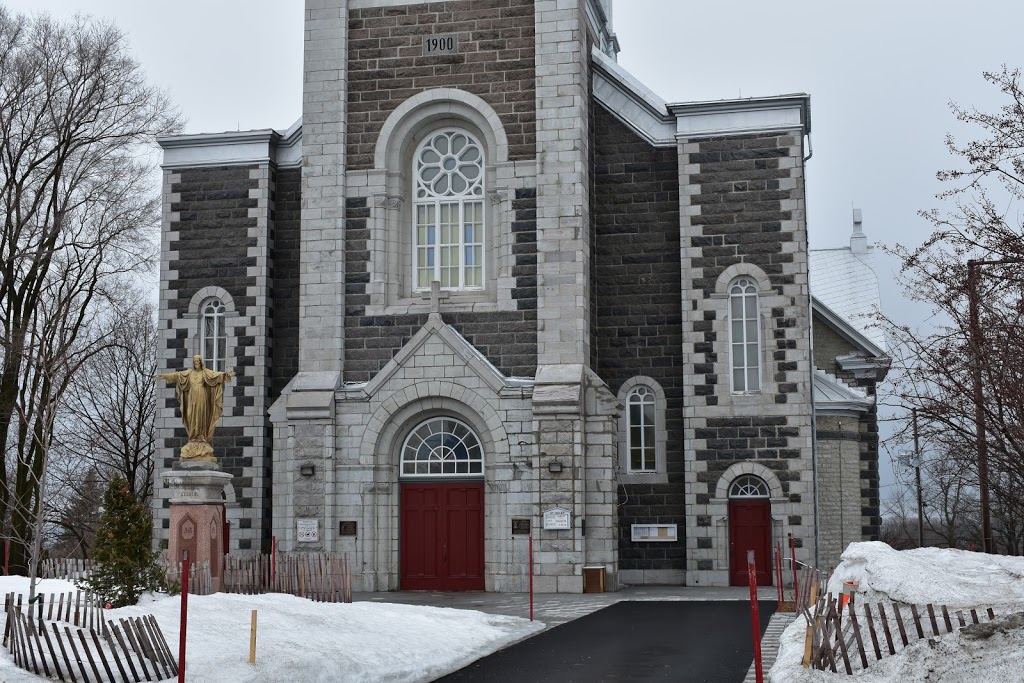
(442, 446)
(214, 341)
(641, 439)
(744, 336)
(748, 486)
(448, 211)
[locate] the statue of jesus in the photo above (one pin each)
(201, 399)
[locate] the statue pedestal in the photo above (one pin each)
(197, 516)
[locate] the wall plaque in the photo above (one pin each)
(307, 530)
(347, 528)
(557, 518)
(520, 526)
(441, 44)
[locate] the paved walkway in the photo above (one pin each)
(556, 609)
(691, 641)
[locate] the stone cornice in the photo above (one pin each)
(234, 148)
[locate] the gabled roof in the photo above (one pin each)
(847, 329)
(661, 123)
(833, 396)
(846, 283)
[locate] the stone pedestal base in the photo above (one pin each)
(197, 517)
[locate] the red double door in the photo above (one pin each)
(749, 529)
(442, 546)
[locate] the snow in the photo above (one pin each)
(955, 578)
(301, 640)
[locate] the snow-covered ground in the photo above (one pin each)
(300, 640)
(955, 578)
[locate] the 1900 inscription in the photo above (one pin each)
(441, 44)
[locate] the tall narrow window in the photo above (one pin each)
(744, 336)
(641, 408)
(448, 212)
(214, 346)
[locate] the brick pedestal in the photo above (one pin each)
(197, 517)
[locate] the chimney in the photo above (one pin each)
(858, 241)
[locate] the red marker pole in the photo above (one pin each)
(184, 615)
(755, 616)
(792, 559)
(778, 575)
(531, 577)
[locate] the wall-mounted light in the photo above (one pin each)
(554, 467)
(307, 470)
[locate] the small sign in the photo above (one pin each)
(441, 44)
(654, 532)
(520, 526)
(347, 528)
(308, 530)
(557, 518)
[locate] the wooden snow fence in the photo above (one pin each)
(853, 636)
(321, 577)
(68, 568)
(76, 643)
(200, 581)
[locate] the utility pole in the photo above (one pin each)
(917, 470)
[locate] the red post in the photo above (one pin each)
(184, 616)
(755, 616)
(531, 577)
(778, 574)
(792, 560)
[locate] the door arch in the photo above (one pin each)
(749, 529)
(442, 507)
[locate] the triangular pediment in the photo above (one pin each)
(473, 360)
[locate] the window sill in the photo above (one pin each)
(643, 478)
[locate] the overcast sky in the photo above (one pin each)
(880, 75)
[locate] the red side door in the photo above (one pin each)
(749, 529)
(442, 546)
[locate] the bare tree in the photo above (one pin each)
(78, 207)
(112, 403)
(932, 368)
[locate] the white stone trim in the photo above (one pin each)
(696, 120)
(660, 475)
(212, 292)
(437, 105)
(738, 270)
(233, 148)
(738, 469)
(393, 419)
(631, 102)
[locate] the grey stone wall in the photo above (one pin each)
(286, 278)
(215, 242)
(828, 344)
(637, 304)
(742, 213)
(841, 518)
(495, 61)
(508, 338)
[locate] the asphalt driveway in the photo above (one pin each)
(632, 641)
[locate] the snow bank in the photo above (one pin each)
(299, 640)
(956, 578)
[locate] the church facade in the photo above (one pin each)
(491, 287)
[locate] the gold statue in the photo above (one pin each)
(201, 399)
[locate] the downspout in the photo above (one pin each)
(814, 418)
